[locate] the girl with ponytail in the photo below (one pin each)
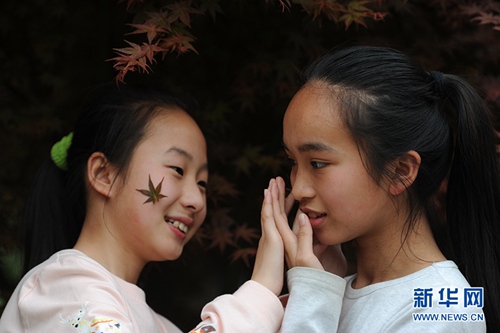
(127, 187)
(371, 137)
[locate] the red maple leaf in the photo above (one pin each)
(135, 57)
(219, 230)
(131, 3)
(151, 30)
(178, 41)
(244, 254)
(181, 11)
(212, 6)
(246, 233)
(160, 19)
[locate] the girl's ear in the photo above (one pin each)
(405, 171)
(100, 173)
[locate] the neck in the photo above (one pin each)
(98, 242)
(395, 255)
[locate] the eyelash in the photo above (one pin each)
(181, 172)
(316, 165)
(178, 170)
(291, 162)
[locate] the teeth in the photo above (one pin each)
(179, 225)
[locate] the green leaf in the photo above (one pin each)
(153, 193)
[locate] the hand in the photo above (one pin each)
(269, 263)
(301, 247)
(331, 258)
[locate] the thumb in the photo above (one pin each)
(305, 254)
(304, 234)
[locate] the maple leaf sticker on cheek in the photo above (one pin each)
(153, 193)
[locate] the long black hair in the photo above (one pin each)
(113, 121)
(391, 106)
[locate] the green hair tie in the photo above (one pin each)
(59, 152)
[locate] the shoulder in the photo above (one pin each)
(69, 289)
(65, 269)
(447, 272)
(65, 276)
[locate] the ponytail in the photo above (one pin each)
(113, 120)
(391, 106)
(47, 226)
(473, 196)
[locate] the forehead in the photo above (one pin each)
(173, 120)
(312, 113)
(175, 127)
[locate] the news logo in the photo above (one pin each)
(460, 300)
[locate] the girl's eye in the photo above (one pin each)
(202, 184)
(178, 170)
(318, 165)
(291, 162)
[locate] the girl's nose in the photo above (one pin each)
(193, 197)
(301, 186)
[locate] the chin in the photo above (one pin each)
(327, 239)
(175, 255)
(169, 254)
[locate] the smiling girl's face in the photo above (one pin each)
(328, 176)
(173, 154)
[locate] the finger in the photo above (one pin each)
(268, 267)
(289, 202)
(267, 210)
(267, 217)
(281, 194)
(278, 214)
(281, 221)
(295, 225)
(304, 235)
(305, 255)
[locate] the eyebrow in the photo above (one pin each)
(184, 153)
(312, 146)
(181, 152)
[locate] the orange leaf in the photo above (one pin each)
(244, 254)
(246, 233)
(159, 19)
(131, 3)
(148, 28)
(181, 11)
(178, 42)
(212, 6)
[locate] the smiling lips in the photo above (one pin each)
(315, 219)
(179, 225)
(315, 215)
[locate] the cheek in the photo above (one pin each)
(352, 193)
(293, 175)
(339, 190)
(200, 217)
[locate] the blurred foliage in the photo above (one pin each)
(167, 25)
(243, 73)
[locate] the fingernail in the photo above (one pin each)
(302, 219)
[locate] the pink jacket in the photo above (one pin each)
(71, 292)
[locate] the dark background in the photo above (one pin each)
(243, 76)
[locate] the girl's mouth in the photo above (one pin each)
(315, 215)
(316, 219)
(179, 225)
